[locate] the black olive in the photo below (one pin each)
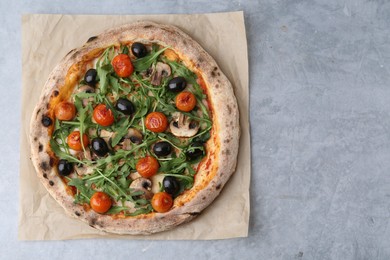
(139, 50)
(125, 106)
(99, 146)
(162, 148)
(64, 167)
(195, 151)
(177, 84)
(171, 185)
(46, 121)
(90, 77)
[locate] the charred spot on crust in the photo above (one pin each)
(70, 52)
(184, 42)
(213, 74)
(92, 38)
(46, 121)
(35, 138)
(55, 93)
(92, 222)
(40, 147)
(219, 74)
(227, 152)
(45, 175)
(215, 68)
(148, 26)
(75, 54)
(203, 198)
(217, 86)
(44, 166)
(218, 187)
(194, 213)
(229, 109)
(226, 141)
(77, 213)
(39, 110)
(51, 183)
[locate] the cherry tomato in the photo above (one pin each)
(147, 166)
(74, 141)
(103, 115)
(185, 101)
(100, 202)
(156, 122)
(122, 65)
(65, 111)
(162, 202)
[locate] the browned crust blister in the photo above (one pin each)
(222, 147)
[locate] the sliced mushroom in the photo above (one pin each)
(157, 182)
(106, 135)
(144, 185)
(183, 126)
(161, 70)
(134, 175)
(134, 135)
(81, 169)
(126, 144)
(86, 89)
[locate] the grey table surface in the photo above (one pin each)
(320, 125)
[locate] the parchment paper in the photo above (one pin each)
(46, 39)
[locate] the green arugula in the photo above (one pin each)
(111, 173)
(144, 63)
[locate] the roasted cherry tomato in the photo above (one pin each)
(65, 111)
(162, 202)
(103, 115)
(122, 65)
(147, 166)
(185, 101)
(100, 202)
(74, 141)
(156, 122)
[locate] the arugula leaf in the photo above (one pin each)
(140, 211)
(81, 188)
(124, 49)
(102, 73)
(120, 131)
(181, 70)
(116, 209)
(144, 63)
(63, 155)
(114, 82)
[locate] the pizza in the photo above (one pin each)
(137, 131)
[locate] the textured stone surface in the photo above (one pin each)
(320, 115)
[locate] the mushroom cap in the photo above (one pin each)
(183, 126)
(144, 185)
(161, 70)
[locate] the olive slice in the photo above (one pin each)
(194, 151)
(162, 148)
(177, 84)
(139, 50)
(125, 106)
(90, 77)
(99, 146)
(64, 167)
(171, 185)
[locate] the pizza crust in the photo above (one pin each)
(222, 147)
